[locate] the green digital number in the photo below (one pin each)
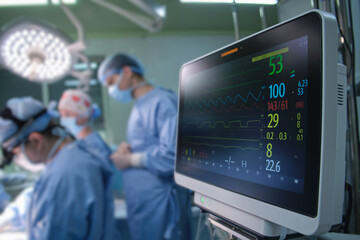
(273, 65)
(279, 63)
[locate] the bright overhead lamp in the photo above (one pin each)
(14, 3)
(4, 3)
(262, 2)
(35, 50)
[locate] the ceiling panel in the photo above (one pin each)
(180, 17)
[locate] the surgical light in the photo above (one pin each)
(35, 51)
(22, 2)
(13, 3)
(264, 2)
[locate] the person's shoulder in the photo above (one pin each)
(73, 157)
(74, 165)
(95, 142)
(72, 168)
(164, 92)
(157, 101)
(164, 96)
(72, 149)
(66, 163)
(94, 139)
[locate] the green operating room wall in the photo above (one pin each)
(162, 57)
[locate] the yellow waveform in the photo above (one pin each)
(212, 125)
(224, 138)
(223, 146)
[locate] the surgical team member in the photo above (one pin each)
(72, 199)
(157, 207)
(77, 110)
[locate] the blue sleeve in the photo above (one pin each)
(160, 159)
(65, 207)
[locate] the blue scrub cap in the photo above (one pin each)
(114, 64)
(96, 111)
(19, 118)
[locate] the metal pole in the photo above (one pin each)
(236, 22)
(262, 17)
(45, 93)
(326, 5)
(315, 4)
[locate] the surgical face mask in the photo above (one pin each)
(123, 96)
(24, 162)
(70, 124)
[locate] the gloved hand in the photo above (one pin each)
(123, 158)
(124, 148)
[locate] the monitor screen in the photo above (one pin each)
(250, 116)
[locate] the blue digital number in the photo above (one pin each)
(277, 90)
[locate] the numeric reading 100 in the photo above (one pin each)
(277, 90)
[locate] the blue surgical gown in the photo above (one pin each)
(157, 207)
(73, 197)
(4, 197)
(95, 142)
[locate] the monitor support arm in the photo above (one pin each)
(76, 48)
(139, 19)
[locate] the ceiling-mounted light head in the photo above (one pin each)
(35, 50)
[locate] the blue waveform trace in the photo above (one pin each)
(227, 98)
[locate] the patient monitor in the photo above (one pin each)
(261, 129)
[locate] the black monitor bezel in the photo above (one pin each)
(308, 25)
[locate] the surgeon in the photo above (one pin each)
(77, 111)
(72, 199)
(157, 207)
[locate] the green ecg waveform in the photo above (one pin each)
(238, 74)
(231, 76)
(233, 86)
